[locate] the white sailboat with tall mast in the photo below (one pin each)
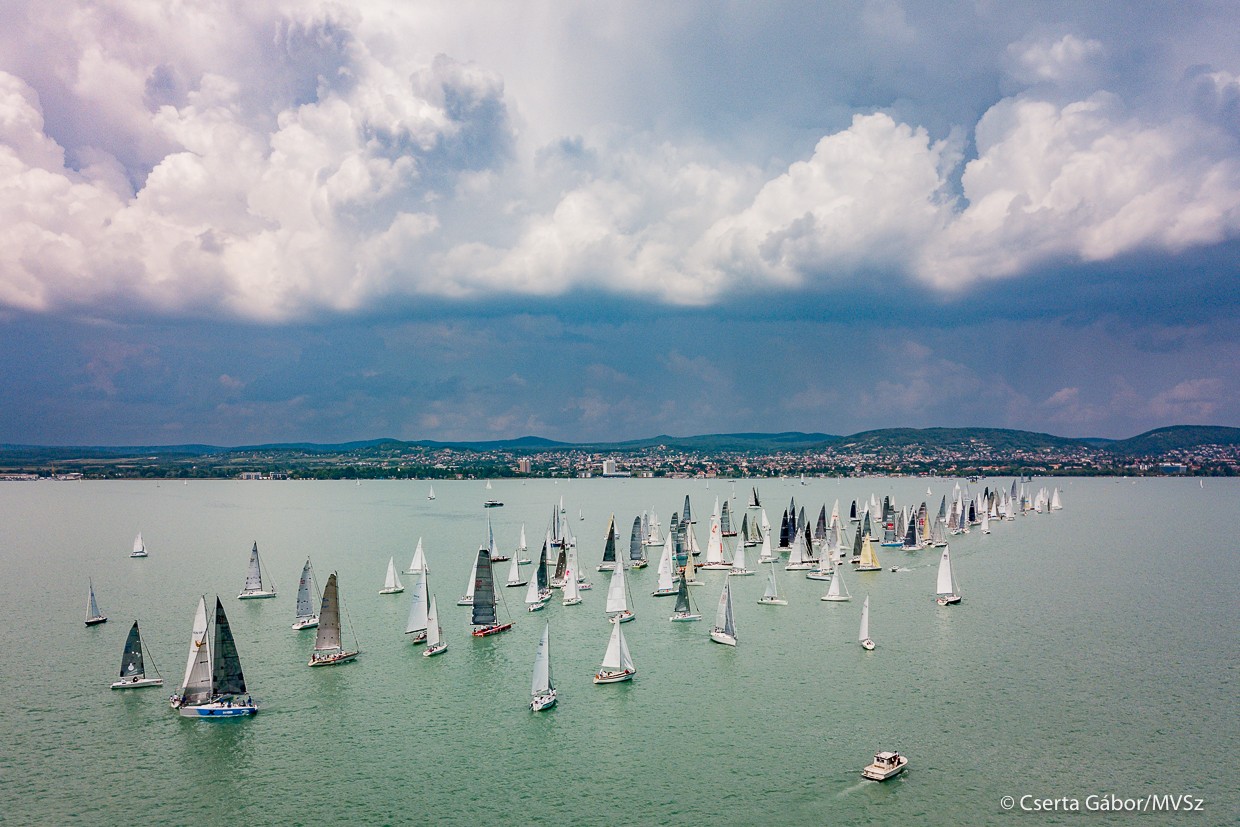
(837, 592)
(522, 549)
(863, 635)
(391, 581)
(307, 617)
(213, 683)
(666, 586)
(618, 597)
(435, 643)
(418, 564)
(133, 664)
(740, 567)
(946, 591)
(468, 598)
(329, 649)
(542, 689)
(617, 662)
(714, 547)
(93, 616)
(139, 547)
(572, 587)
(724, 630)
(771, 596)
(419, 612)
(254, 588)
(430, 495)
(683, 611)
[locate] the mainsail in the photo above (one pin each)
(131, 659)
(328, 637)
(227, 675)
(484, 591)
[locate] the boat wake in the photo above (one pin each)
(852, 789)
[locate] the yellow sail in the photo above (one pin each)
(869, 560)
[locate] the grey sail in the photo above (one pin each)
(484, 591)
(305, 604)
(561, 563)
(688, 515)
(609, 549)
(543, 584)
(328, 637)
(254, 574)
(635, 540)
(725, 519)
(131, 659)
(820, 529)
(682, 597)
(227, 678)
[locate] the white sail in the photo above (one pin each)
(391, 582)
(572, 591)
(765, 555)
(254, 579)
(327, 638)
(946, 582)
(419, 614)
(864, 633)
(542, 665)
(139, 548)
(617, 593)
(196, 685)
(433, 632)
(468, 599)
(430, 495)
(418, 564)
(514, 572)
(305, 602)
(837, 590)
(772, 589)
(617, 656)
(666, 584)
(714, 545)
(521, 545)
(725, 624)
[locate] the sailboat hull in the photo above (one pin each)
(487, 631)
(614, 677)
(867, 645)
(138, 683)
(393, 590)
(720, 636)
(255, 595)
(740, 572)
(437, 649)
(947, 599)
(836, 598)
(622, 617)
(334, 659)
(306, 623)
(218, 710)
(95, 621)
(772, 601)
(818, 575)
(138, 554)
(684, 617)
(669, 592)
(542, 701)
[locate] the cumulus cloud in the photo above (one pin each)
(271, 164)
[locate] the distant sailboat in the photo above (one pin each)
(485, 620)
(307, 617)
(609, 547)
(538, 591)
(418, 564)
(133, 666)
(724, 630)
(946, 593)
(771, 596)
(869, 560)
(93, 616)
(419, 620)
(522, 549)
(391, 582)
(329, 650)
(213, 683)
(542, 690)
(637, 552)
(139, 548)
(254, 580)
(514, 580)
(714, 547)
(435, 643)
(617, 662)
(863, 635)
(665, 587)
(430, 495)
(617, 609)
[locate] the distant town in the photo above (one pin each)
(1181, 450)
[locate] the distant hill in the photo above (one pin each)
(1175, 438)
(785, 441)
(997, 438)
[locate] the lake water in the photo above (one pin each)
(1095, 653)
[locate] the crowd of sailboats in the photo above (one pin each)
(214, 685)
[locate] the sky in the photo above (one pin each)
(237, 222)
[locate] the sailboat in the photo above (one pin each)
(214, 682)
(617, 662)
(869, 560)
(542, 690)
(945, 590)
(391, 583)
(714, 547)
(307, 617)
(522, 549)
(572, 591)
(254, 580)
(863, 636)
(771, 596)
(724, 630)
(435, 644)
(133, 669)
(539, 590)
(418, 564)
(637, 552)
(430, 495)
(618, 610)
(329, 650)
(419, 615)
(765, 554)
(837, 592)
(514, 574)
(739, 567)
(683, 611)
(665, 587)
(468, 598)
(609, 547)
(139, 548)
(485, 621)
(93, 616)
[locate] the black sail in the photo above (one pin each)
(227, 677)
(131, 659)
(543, 584)
(635, 540)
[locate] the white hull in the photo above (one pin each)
(720, 636)
(138, 554)
(614, 677)
(868, 568)
(836, 598)
(306, 623)
(772, 601)
(818, 575)
(536, 607)
(543, 701)
(437, 649)
(572, 601)
(740, 572)
(256, 595)
(799, 566)
(716, 567)
(881, 772)
(664, 592)
(622, 617)
(393, 590)
(867, 645)
(947, 599)
(332, 659)
(417, 637)
(684, 617)
(138, 683)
